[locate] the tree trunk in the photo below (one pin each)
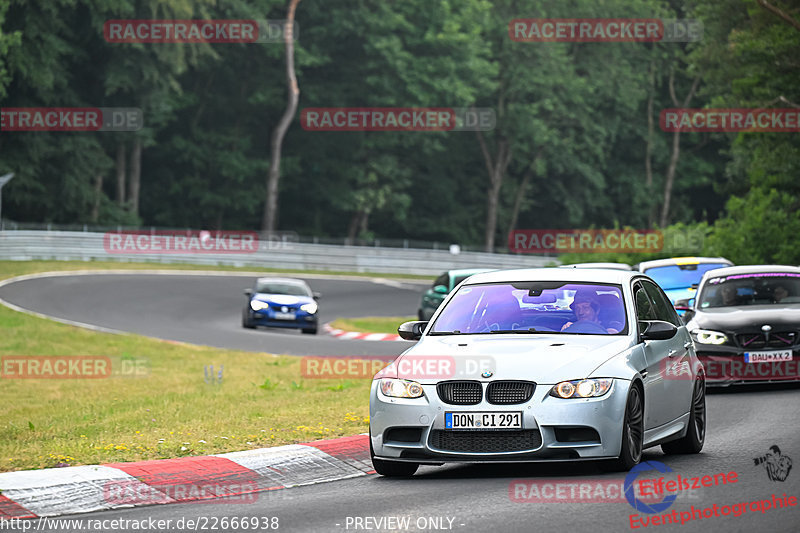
(523, 187)
(358, 225)
(786, 17)
(98, 193)
(496, 170)
(269, 219)
(135, 177)
(676, 148)
(121, 174)
(648, 164)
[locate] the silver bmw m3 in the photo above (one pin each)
(541, 365)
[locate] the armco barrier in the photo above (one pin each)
(22, 245)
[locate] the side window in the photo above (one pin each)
(644, 309)
(444, 279)
(663, 308)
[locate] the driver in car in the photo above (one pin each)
(586, 309)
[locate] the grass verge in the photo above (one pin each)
(372, 324)
(175, 410)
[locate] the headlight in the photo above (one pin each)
(400, 388)
(705, 336)
(258, 305)
(310, 307)
(581, 388)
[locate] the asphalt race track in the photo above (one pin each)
(207, 309)
(743, 423)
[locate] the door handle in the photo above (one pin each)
(672, 353)
(688, 345)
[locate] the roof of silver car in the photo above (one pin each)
(597, 275)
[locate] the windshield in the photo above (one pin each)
(680, 276)
(276, 287)
(533, 307)
(764, 288)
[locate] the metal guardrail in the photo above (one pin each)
(22, 245)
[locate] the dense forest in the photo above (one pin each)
(577, 141)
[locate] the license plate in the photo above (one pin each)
(768, 357)
(284, 316)
(483, 420)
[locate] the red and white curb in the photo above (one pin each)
(83, 489)
(355, 335)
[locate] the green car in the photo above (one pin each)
(441, 287)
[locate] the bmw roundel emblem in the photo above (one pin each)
(487, 374)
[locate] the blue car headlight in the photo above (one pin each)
(581, 388)
(310, 307)
(258, 305)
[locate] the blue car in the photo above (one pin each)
(281, 303)
(680, 276)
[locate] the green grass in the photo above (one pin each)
(263, 400)
(372, 324)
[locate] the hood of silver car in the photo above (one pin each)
(545, 359)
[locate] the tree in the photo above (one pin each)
(271, 205)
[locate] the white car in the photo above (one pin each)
(541, 365)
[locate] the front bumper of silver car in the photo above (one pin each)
(553, 429)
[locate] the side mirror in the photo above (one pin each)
(440, 289)
(317, 296)
(248, 292)
(412, 331)
(656, 330)
(684, 304)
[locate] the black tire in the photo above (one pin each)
(391, 468)
(695, 436)
(632, 433)
(246, 323)
(310, 331)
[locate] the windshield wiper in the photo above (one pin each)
(529, 330)
(454, 332)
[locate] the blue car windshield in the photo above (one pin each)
(534, 307)
(680, 276)
(273, 287)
